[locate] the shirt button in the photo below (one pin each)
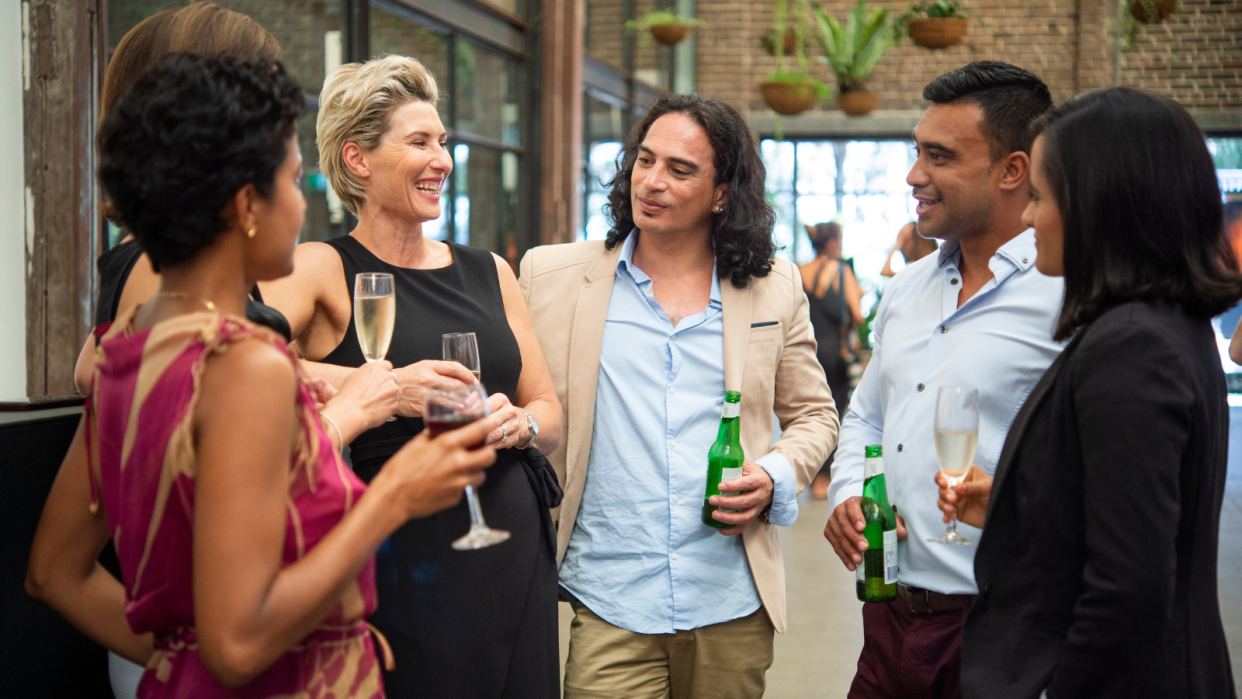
(953, 281)
(921, 387)
(676, 498)
(944, 329)
(672, 391)
(672, 443)
(674, 557)
(900, 447)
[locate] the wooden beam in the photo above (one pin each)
(63, 66)
(561, 51)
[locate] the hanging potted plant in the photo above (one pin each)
(666, 27)
(1136, 13)
(794, 91)
(852, 52)
(788, 40)
(936, 24)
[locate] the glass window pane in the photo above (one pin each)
(487, 93)
(393, 35)
(485, 199)
(778, 159)
(817, 167)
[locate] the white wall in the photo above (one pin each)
(12, 208)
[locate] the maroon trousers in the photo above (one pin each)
(907, 655)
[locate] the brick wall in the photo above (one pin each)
(1195, 56)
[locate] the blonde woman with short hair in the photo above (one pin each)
(462, 624)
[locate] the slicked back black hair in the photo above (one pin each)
(1010, 97)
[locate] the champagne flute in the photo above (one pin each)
(450, 409)
(463, 348)
(957, 437)
(375, 313)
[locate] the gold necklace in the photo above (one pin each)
(188, 297)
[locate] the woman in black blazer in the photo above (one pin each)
(1097, 564)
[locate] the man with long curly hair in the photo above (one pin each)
(643, 333)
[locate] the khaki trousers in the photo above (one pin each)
(721, 661)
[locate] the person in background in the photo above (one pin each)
(246, 543)
(126, 276)
(912, 246)
(478, 624)
(833, 295)
(645, 332)
(975, 315)
(1097, 563)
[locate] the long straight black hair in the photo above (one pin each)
(1141, 205)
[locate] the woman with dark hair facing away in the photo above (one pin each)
(1097, 563)
(246, 543)
(126, 275)
(834, 297)
(467, 624)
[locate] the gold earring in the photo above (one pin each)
(250, 233)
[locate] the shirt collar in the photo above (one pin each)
(625, 263)
(1019, 251)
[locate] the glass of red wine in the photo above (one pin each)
(448, 410)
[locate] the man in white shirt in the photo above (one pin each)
(977, 315)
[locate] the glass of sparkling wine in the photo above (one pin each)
(375, 313)
(957, 437)
(448, 410)
(463, 348)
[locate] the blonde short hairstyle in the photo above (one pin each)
(356, 105)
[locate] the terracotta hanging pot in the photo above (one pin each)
(1163, 8)
(789, 43)
(939, 32)
(856, 101)
(788, 98)
(670, 34)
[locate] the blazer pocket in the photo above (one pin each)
(765, 332)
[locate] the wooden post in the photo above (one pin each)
(63, 43)
(561, 117)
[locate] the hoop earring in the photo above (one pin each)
(250, 233)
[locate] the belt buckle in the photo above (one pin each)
(912, 596)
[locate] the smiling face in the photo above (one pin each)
(277, 220)
(673, 186)
(953, 178)
(1044, 215)
(406, 172)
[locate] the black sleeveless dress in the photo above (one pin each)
(826, 318)
(466, 624)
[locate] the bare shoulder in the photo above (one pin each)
(504, 271)
(317, 258)
(252, 365)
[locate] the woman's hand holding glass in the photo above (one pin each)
(967, 502)
(368, 396)
(421, 379)
(514, 430)
(429, 475)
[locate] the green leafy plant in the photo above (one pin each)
(853, 50)
(660, 18)
(1152, 12)
(821, 90)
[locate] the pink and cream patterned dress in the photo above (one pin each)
(139, 434)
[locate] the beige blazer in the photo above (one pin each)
(567, 290)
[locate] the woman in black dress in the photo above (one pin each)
(1098, 561)
(469, 624)
(834, 297)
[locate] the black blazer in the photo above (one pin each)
(1097, 564)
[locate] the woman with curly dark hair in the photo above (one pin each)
(673, 580)
(245, 542)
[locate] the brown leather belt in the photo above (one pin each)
(923, 601)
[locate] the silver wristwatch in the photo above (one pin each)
(534, 428)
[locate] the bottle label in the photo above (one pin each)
(873, 467)
(890, 557)
(731, 410)
(861, 570)
(728, 474)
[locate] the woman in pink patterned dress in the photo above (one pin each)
(245, 542)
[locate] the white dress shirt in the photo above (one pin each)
(999, 342)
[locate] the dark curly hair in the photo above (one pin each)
(1142, 216)
(1010, 98)
(742, 233)
(180, 143)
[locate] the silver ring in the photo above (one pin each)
(504, 434)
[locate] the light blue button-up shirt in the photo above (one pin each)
(999, 342)
(640, 556)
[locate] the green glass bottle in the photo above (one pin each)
(724, 459)
(877, 576)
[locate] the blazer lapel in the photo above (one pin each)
(1016, 431)
(586, 341)
(735, 305)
